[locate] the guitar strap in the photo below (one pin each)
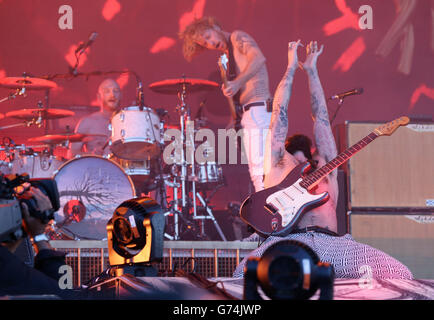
(232, 73)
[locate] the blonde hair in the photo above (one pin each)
(192, 31)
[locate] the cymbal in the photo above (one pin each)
(59, 138)
(27, 82)
(46, 114)
(175, 86)
(78, 108)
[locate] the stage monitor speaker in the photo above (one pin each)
(393, 172)
(406, 237)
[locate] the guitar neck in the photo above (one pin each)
(230, 100)
(315, 177)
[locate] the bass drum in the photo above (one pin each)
(90, 190)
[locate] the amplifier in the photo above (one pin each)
(393, 172)
(409, 238)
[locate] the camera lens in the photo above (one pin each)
(284, 273)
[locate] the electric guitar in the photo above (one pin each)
(276, 210)
(223, 66)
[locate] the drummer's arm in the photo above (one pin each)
(76, 148)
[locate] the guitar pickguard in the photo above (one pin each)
(291, 200)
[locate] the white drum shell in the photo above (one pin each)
(135, 133)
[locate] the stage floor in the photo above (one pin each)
(188, 288)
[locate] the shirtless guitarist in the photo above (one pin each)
(250, 83)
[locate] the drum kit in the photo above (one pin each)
(92, 186)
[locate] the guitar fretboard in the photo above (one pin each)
(316, 176)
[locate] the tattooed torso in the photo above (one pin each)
(257, 87)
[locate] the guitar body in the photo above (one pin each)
(276, 210)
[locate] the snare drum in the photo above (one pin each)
(135, 133)
(138, 170)
(209, 172)
(90, 190)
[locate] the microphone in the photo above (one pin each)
(347, 93)
(84, 46)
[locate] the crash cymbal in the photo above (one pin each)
(27, 82)
(46, 114)
(174, 86)
(78, 108)
(60, 138)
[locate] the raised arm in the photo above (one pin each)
(245, 45)
(275, 149)
(324, 139)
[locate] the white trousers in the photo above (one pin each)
(255, 123)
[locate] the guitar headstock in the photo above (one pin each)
(390, 127)
(223, 62)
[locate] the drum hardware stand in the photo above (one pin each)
(210, 216)
(188, 151)
(18, 92)
(174, 209)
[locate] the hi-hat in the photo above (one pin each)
(45, 114)
(27, 82)
(175, 86)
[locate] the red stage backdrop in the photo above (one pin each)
(385, 47)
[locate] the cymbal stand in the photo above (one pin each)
(188, 159)
(174, 210)
(18, 92)
(187, 138)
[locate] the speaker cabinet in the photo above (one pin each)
(408, 238)
(393, 172)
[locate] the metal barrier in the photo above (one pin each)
(210, 259)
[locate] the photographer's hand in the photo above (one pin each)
(32, 225)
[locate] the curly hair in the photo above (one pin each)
(299, 142)
(191, 47)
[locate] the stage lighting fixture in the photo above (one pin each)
(288, 270)
(135, 236)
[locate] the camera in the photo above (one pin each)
(11, 189)
(288, 270)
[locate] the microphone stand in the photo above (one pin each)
(340, 103)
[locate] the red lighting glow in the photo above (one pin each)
(347, 59)
(123, 79)
(195, 13)
(348, 20)
(70, 56)
(110, 9)
(162, 44)
(421, 90)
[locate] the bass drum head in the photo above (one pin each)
(90, 190)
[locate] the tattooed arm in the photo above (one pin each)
(275, 153)
(244, 45)
(324, 139)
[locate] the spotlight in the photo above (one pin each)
(288, 270)
(135, 237)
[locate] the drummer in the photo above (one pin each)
(97, 124)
